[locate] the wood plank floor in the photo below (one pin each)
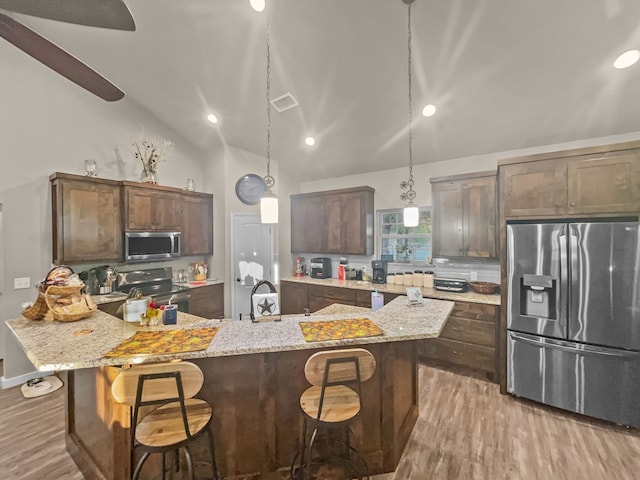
(466, 431)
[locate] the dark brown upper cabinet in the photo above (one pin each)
(333, 222)
(86, 219)
(464, 215)
(196, 215)
(574, 183)
(90, 216)
(151, 208)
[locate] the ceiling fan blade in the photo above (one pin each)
(112, 14)
(57, 59)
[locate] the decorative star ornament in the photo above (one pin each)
(265, 306)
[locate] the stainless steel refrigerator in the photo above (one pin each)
(573, 317)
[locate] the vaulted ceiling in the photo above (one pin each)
(504, 75)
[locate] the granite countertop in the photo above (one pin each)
(73, 345)
(469, 296)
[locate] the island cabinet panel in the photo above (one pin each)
(86, 219)
(464, 215)
(196, 217)
(467, 340)
(207, 301)
(257, 417)
(150, 209)
(333, 222)
(294, 297)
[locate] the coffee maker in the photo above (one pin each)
(379, 271)
(300, 267)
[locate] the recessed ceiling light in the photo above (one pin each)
(310, 141)
(429, 111)
(627, 59)
(212, 118)
(257, 5)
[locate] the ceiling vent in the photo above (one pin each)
(284, 102)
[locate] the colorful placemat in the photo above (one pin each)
(159, 342)
(339, 329)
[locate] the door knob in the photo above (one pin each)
(238, 280)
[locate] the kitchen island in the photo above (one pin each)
(254, 376)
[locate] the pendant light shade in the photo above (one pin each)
(411, 216)
(268, 202)
(269, 208)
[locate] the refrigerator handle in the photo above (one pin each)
(563, 300)
(576, 348)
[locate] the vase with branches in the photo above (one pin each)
(150, 153)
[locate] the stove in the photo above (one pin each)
(156, 283)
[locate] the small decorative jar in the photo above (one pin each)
(391, 278)
(428, 279)
(418, 281)
(399, 278)
(408, 279)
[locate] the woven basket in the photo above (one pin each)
(38, 310)
(67, 304)
(484, 287)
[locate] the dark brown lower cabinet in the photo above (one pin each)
(207, 301)
(468, 340)
(295, 297)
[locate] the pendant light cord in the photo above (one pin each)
(410, 194)
(268, 179)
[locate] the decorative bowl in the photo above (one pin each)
(484, 287)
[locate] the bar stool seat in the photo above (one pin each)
(333, 400)
(177, 418)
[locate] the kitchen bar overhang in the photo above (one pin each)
(253, 378)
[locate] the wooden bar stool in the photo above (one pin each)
(333, 400)
(177, 418)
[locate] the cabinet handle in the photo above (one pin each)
(457, 329)
(573, 204)
(458, 353)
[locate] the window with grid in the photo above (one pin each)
(405, 244)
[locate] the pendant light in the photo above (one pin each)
(411, 215)
(268, 202)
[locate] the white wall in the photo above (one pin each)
(49, 124)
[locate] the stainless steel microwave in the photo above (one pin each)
(146, 246)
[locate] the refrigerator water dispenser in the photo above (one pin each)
(538, 296)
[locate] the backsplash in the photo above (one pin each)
(481, 270)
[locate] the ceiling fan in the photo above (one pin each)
(112, 14)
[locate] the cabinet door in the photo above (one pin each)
(148, 209)
(308, 227)
(479, 217)
(447, 219)
(207, 301)
(294, 297)
(604, 184)
(87, 221)
(345, 224)
(197, 224)
(336, 221)
(534, 188)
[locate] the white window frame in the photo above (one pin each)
(404, 236)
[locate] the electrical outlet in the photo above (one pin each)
(24, 282)
(474, 276)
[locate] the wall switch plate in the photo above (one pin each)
(19, 283)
